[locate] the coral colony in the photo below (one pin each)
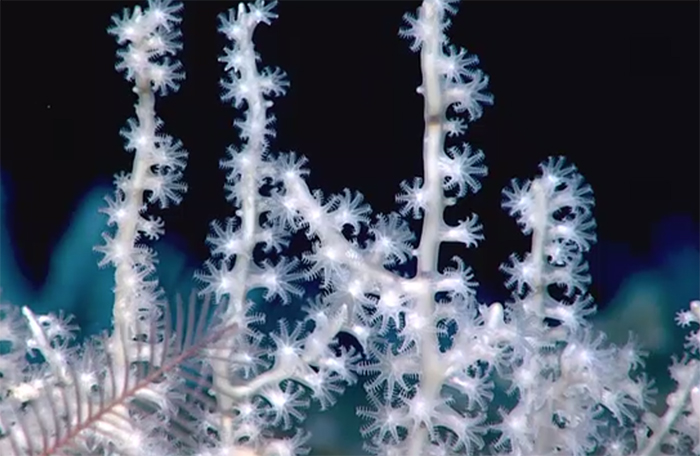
(443, 373)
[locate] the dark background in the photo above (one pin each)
(613, 86)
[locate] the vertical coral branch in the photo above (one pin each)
(156, 171)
